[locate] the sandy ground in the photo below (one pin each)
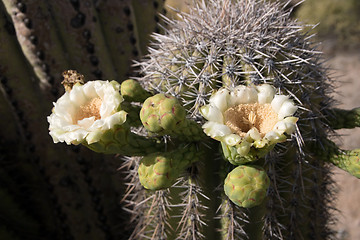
(346, 67)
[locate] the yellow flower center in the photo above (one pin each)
(243, 117)
(90, 109)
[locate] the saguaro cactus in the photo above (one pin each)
(205, 60)
(49, 191)
(229, 138)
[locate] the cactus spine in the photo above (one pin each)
(70, 192)
(219, 46)
(224, 44)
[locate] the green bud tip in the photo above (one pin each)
(246, 186)
(162, 113)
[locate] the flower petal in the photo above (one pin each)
(288, 108)
(266, 93)
(212, 113)
(286, 126)
(253, 134)
(243, 94)
(232, 139)
(278, 101)
(220, 99)
(243, 148)
(77, 96)
(86, 122)
(216, 130)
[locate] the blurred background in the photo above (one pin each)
(50, 191)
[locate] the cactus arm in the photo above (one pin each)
(16, 218)
(7, 114)
(349, 161)
(232, 220)
(192, 222)
(24, 33)
(6, 234)
(116, 20)
(39, 41)
(148, 10)
(341, 118)
(30, 109)
(84, 44)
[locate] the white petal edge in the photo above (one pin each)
(288, 108)
(287, 125)
(220, 99)
(278, 101)
(212, 113)
(216, 130)
(266, 93)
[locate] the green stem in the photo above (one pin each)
(123, 141)
(189, 131)
(348, 161)
(133, 118)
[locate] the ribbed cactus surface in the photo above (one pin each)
(226, 132)
(49, 191)
(223, 44)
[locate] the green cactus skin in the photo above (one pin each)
(71, 193)
(163, 114)
(161, 170)
(348, 161)
(230, 154)
(246, 186)
(229, 43)
(345, 118)
(121, 140)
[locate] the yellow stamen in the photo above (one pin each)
(90, 109)
(243, 117)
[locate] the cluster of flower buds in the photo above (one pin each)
(248, 121)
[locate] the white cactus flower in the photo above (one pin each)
(85, 112)
(249, 116)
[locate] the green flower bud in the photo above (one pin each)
(162, 114)
(157, 172)
(131, 90)
(246, 186)
(160, 170)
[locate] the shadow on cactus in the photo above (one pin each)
(233, 80)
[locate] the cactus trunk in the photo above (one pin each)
(69, 192)
(225, 133)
